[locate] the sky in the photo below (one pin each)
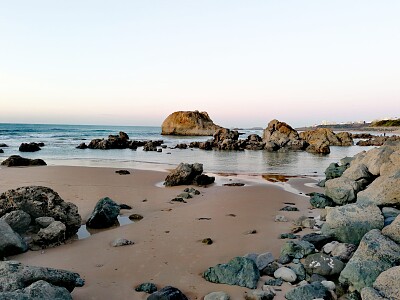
(244, 62)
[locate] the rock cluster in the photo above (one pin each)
(18, 281)
(187, 174)
(378, 140)
(188, 123)
(37, 213)
(120, 141)
(30, 147)
(18, 161)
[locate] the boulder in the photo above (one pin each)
(318, 240)
(296, 249)
(386, 286)
(167, 293)
(18, 161)
(15, 276)
(217, 296)
(281, 135)
(319, 200)
(18, 220)
(39, 290)
(105, 214)
(315, 290)
(358, 172)
(375, 254)
(82, 146)
(375, 158)
(52, 235)
(393, 230)
(223, 134)
(299, 270)
(342, 251)
(39, 201)
(342, 190)
(264, 260)
(345, 138)
(285, 274)
(350, 222)
(239, 271)
(188, 123)
(324, 135)
(10, 242)
(319, 147)
(43, 222)
(335, 171)
(384, 190)
(186, 174)
(120, 141)
(29, 147)
(322, 264)
(147, 287)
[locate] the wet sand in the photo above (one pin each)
(168, 248)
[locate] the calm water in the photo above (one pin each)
(61, 140)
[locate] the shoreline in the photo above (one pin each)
(168, 239)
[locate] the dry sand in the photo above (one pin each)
(168, 248)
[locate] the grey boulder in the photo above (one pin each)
(385, 286)
(322, 264)
(39, 290)
(105, 214)
(393, 230)
(10, 242)
(18, 220)
(315, 290)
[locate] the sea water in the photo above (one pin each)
(61, 141)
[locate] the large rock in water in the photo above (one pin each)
(186, 174)
(29, 147)
(281, 134)
(18, 161)
(40, 201)
(105, 214)
(188, 123)
(15, 276)
(386, 286)
(239, 271)
(375, 254)
(350, 222)
(10, 242)
(328, 136)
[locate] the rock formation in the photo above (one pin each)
(186, 174)
(18, 161)
(188, 123)
(327, 135)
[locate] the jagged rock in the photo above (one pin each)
(318, 240)
(375, 158)
(350, 222)
(319, 200)
(264, 260)
(323, 264)
(238, 271)
(147, 287)
(10, 242)
(18, 220)
(167, 293)
(319, 147)
(281, 135)
(296, 249)
(375, 254)
(18, 161)
(39, 290)
(120, 141)
(104, 215)
(222, 134)
(39, 201)
(384, 190)
(326, 135)
(15, 276)
(342, 190)
(186, 174)
(386, 286)
(188, 123)
(299, 270)
(345, 138)
(393, 230)
(315, 290)
(29, 147)
(357, 172)
(217, 296)
(54, 234)
(150, 146)
(335, 171)
(43, 222)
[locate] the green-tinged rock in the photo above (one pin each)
(104, 215)
(309, 291)
(147, 287)
(375, 254)
(319, 200)
(342, 190)
(299, 270)
(297, 249)
(334, 171)
(239, 271)
(350, 222)
(323, 264)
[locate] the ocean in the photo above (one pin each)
(60, 142)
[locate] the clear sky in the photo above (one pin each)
(244, 62)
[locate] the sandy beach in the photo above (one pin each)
(168, 248)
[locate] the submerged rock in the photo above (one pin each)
(29, 147)
(239, 271)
